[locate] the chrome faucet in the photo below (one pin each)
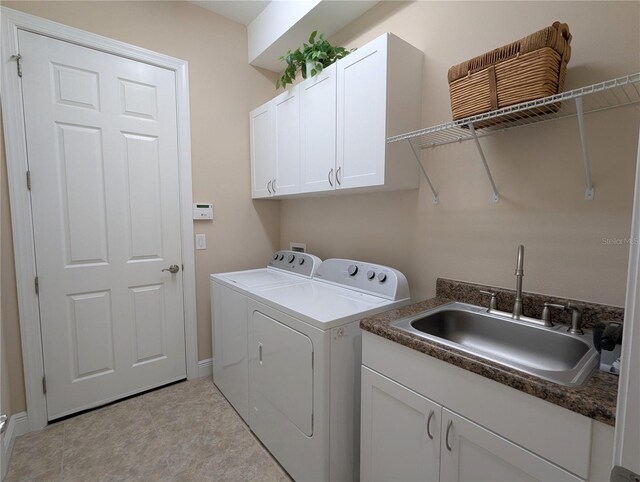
(517, 305)
(576, 318)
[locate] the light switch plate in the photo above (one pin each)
(201, 241)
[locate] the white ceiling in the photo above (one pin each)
(241, 11)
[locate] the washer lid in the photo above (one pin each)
(256, 278)
(323, 305)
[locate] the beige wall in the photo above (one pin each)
(12, 385)
(223, 88)
(538, 170)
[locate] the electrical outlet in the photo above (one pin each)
(201, 241)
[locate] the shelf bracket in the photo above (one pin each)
(496, 196)
(436, 199)
(589, 192)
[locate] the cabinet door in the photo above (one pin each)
(400, 432)
(318, 131)
(361, 116)
(474, 454)
(262, 151)
(286, 119)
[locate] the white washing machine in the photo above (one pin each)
(304, 365)
(229, 315)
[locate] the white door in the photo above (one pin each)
(400, 432)
(262, 151)
(474, 454)
(361, 119)
(102, 147)
(318, 131)
(286, 119)
(230, 341)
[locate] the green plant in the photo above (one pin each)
(318, 51)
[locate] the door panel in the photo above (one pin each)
(262, 150)
(478, 455)
(318, 131)
(361, 119)
(282, 375)
(102, 143)
(396, 423)
(286, 116)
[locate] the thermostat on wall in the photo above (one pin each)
(202, 211)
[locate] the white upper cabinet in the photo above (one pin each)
(286, 120)
(331, 130)
(262, 152)
(362, 100)
(318, 131)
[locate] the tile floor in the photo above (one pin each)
(184, 432)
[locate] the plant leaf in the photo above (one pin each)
(312, 37)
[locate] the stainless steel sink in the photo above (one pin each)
(549, 353)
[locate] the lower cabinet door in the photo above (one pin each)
(474, 454)
(400, 432)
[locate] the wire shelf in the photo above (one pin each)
(594, 98)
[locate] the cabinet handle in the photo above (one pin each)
(446, 438)
(269, 187)
(338, 176)
(260, 353)
(273, 186)
(431, 414)
(329, 177)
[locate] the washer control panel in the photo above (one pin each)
(366, 277)
(304, 264)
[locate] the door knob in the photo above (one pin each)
(173, 269)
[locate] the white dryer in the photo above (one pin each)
(229, 293)
(305, 356)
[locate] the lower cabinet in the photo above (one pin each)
(400, 432)
(407, 437)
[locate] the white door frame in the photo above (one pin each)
(16, 151)
(627, 438)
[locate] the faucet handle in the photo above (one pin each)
(576, 318)
(546, 312)
(493, 303)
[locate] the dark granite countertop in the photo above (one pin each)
(595, 399)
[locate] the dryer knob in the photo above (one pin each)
(371, 274)
(280, 257)
(352, 270)
(301, 261)
(382, 277)
(291, 257)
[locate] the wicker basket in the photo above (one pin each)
(528, 69)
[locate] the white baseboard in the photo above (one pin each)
(205, 368)
(18, 425)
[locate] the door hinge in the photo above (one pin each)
(37, 282)
(183, 267)
(44, 384)
(29, 180)
(18, 58)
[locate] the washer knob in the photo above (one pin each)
(291, 257)
(382, 277)
(301, 261)
(275, 257)
(352, 270)
(281, 257)
(371, 274)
